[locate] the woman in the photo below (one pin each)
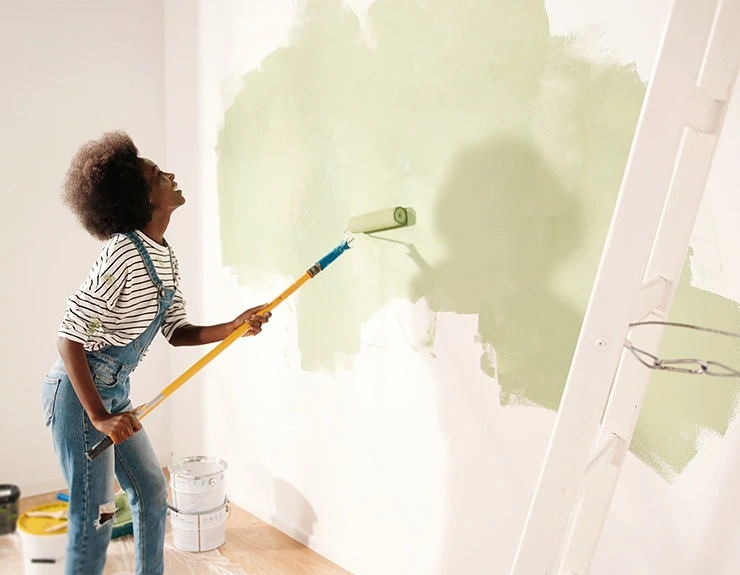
(130, 293)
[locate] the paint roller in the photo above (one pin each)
(379, 221)
(373, 222)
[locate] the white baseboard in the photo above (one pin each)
(294, 532)
(43, 486)
(310, 541)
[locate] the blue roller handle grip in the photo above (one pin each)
(332, 255)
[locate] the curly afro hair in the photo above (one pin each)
(106, 188)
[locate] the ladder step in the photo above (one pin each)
(705, 113)
(604, 454)
(719, 68)
(652, 298)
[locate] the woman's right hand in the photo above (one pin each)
(119, 427)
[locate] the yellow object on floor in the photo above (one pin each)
(120, 560)
(49, 519)
(43, 536)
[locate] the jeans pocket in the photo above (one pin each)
(48, 397)
(104, 375)
(104, 380)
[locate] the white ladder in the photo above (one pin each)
(648, 239)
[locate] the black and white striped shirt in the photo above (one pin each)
(118, 301)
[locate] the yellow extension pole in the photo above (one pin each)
(148, 407)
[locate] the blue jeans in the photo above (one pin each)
(91, 501)
(133, 462)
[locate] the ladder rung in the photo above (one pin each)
(704, 112)
(719, 69)
(604, 454)
(652, 298)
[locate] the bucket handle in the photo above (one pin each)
(212, 482)
(227, 504)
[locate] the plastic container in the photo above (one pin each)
(43, 540)
(9, 495)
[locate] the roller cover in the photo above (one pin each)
(380, 220)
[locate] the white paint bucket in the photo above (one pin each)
(197, 484)
(43, 540)
(199, 531)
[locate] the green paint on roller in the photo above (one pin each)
(378, 221)
(510, 143)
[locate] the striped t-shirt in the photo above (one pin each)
(118, 301)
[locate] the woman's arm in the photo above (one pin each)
(120, 426)
(201, 334)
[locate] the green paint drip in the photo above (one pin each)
(93, 326)
(510, 145)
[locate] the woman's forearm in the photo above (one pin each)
(201, 334)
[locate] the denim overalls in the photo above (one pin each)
(134, 463)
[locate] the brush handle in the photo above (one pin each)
(97, 449)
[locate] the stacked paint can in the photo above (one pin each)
(199, 505)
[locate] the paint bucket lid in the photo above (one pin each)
(197, 467)
(44, 525)
(9, 493)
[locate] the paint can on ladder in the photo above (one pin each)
(199, 507)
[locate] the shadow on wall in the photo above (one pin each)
(331, 127)
(508, 224)
(293, 513)
(511, 145)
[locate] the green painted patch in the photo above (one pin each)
(508, 142)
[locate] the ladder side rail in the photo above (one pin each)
(719, 73)
(672, 242)
(627, 396)
(618, 280)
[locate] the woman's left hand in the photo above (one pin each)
(254, 318)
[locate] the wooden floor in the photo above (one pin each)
(257, 547)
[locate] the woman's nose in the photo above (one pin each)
(171, 176)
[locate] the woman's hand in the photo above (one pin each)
(254, 319)
(119, 427)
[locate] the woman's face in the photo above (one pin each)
(164, 193)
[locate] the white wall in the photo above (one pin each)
(400, 464)
(69, 72)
